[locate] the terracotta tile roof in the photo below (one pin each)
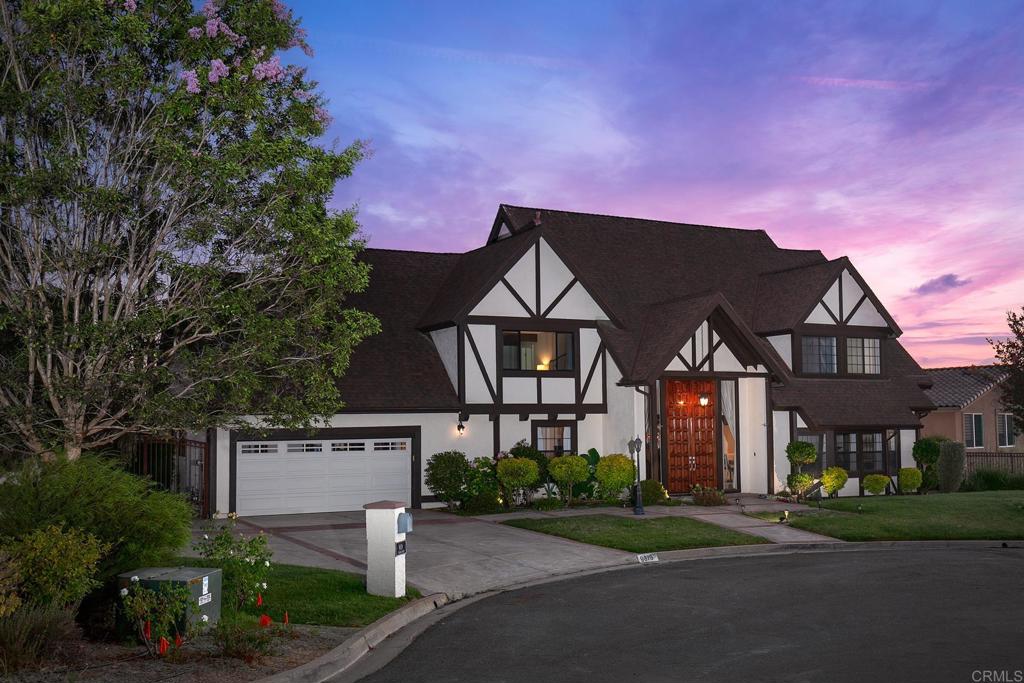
(956, 387)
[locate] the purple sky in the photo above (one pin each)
(889, 132)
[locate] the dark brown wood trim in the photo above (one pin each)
(515, 294)
(590, 374)
(461, 346)
(550, 422)
(856, 307)
(559, 297)
(480, 363)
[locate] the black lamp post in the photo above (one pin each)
(634, 449)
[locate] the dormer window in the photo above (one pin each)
(819, 355)
(863, 356)
(537, 351)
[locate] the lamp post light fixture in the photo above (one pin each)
(635, 445)
(461, 427)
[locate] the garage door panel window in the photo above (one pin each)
(258, 448)
(306, 447)
(390, 445)
(348, 446)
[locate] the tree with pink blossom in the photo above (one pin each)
(167, 257)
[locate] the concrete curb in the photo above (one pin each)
(339, 659)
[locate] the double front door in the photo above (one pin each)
(691, 407)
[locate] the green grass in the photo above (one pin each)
(988, 515)
(318, 596)
(637, 535)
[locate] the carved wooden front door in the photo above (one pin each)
(690, 429)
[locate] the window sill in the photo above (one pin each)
(538, 373)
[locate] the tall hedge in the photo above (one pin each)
(952, 457)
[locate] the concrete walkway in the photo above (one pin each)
(730, 516)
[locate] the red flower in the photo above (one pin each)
(259, 599)
(146, 632)
(163, 645)
(286, 618)
(265, 620)
(177, 640)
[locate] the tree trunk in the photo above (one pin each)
(72, 450)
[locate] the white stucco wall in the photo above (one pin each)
(782, 437)
(783, 345)
(753, 435)
(446, 341)
(907, 439)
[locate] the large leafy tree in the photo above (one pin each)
(168, 260)
(1010, 354)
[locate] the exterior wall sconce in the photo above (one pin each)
(704, 400)
(461, 427)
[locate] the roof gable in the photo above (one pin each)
(958, 387)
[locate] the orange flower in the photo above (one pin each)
(163, 645)
(146, 631)
(259, 599)
(177, 640)
(265, 620)
(286, 618)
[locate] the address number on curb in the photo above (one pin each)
(647, 558)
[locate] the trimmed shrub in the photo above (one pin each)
(652, 492)
(833, 479)
(482, 492)
(707, 496)
(800, 453)
(875, 484)
(33, 633)
(568, 470)
(926, 450)
(524, 449)
(141, 524)
(950, 466)
(614, 473)
(242, 637)
(910, 479)
(799, 482)
(446, 476)
(518, 476)
(993, 480)
(58, 566)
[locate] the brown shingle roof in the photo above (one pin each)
(956, 387)
(399, 369)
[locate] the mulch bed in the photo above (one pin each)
(196, 662)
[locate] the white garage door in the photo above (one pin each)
(282, 477)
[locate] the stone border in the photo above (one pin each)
(343, 657)
(339, 659)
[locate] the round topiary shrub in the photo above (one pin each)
(951, 465)
(446, 476)
(614, 473)
(800, 453)
(568, 470)
(652, 492)
(517, 476)
(875, 484)
(524, 449)
(799, 482)
(926, 450)
(833, 479)
(910, 479)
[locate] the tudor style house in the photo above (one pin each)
(578, 331)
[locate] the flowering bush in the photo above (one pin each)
(245, 561)
(159, 616)
(707, 496)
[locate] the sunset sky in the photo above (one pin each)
(889, 132)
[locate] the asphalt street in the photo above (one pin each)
(887, 615)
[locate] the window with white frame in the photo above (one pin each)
(1005, 431)
(974, 432)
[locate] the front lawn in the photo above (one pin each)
(637, 535)
(323, 597)
(988, 515)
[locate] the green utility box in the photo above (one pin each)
(204, 584)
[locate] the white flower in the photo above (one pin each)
(124, 592)
(135, 579)
(266, 563)
(264, 584)
(206, 537)
(206, 618)
(231, 552)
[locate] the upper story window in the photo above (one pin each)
(1005, 430)
(819, 355)
(537, 351)
(974, 432)
(863, 356)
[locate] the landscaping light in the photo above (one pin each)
(704, 400)
(461, 427)
(635, 446)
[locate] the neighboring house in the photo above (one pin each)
(969, 409)
(577, 331)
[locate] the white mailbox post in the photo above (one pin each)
(385, 548)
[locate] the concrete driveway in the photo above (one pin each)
(455, 555)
